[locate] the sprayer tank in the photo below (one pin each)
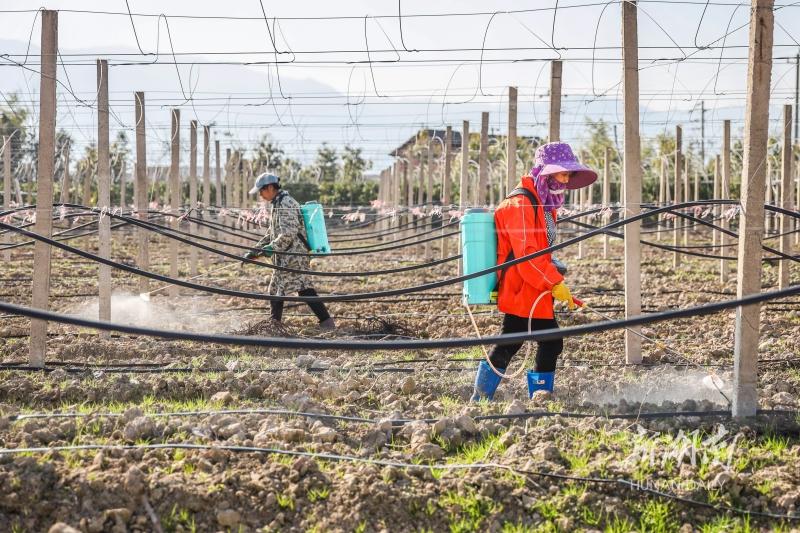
(479, 252)
(314, 220)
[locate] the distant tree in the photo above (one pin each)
(13, 117)
(353, 164)
(119, 152)
(328, 163)
(268, 155)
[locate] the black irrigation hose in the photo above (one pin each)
(64, 238)
(245, 247)
(350, 344)
(781, 255)
(169, 233)
(415, 235)
(358, 296)
(679, 249)
(173, 234)
(377, 233)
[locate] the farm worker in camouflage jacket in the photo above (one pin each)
(287, 246)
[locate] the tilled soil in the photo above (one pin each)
(617, 448)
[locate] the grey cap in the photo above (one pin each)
(263, 180)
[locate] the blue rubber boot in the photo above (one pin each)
(486, 382)
(540, 381)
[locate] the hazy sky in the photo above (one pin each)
(432, 76)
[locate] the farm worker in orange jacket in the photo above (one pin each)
(526, 223)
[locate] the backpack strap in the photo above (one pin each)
(276, 202)
(517, 191)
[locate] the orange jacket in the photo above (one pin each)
(521, 230)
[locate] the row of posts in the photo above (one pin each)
(233, 194)
(751, 227)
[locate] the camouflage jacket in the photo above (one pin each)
(287, 233)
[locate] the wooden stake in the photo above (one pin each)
(555, 101)
(175, 195)
(751, 228)
(633, 179)
(140, 200)
(44, 184)
(103, 193)
(787, 202)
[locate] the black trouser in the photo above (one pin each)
(547, 353)
(276, 307)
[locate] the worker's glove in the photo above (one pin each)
(562, 294)
(267, 250)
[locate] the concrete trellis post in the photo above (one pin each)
(140, 200)
(103, 192)
(751, 228)
(123, 185)
(448, 160)
(193, 191)
(633, 179)
(480, 197)
(606, 195)
(44, 184)
(716, 209)
(175, 195)
(686, 193)
(65, 182)
(421, 167)
(555, 101)
(206, 187)
(229, 183)
(581, 196)
(768, 196)
(786, 196)
(511, 148)
(6, 187)
(220, 196)
(676, 257)
(463, 193)
(662, 194)
(87, 186)
(724, 268)
(429, 195)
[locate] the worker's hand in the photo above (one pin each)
(252, 254)
(267, 250)
(562, 294)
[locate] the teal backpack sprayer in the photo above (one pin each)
(479, 252)
(314, 221)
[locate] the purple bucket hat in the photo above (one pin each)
(552, 158)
